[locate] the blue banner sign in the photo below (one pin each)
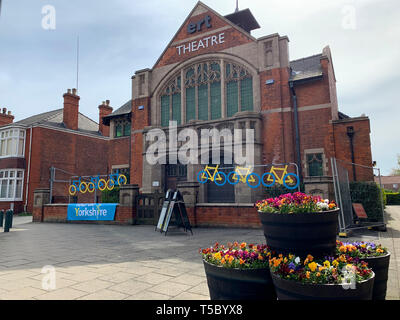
(91, 211)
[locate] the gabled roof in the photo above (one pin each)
(306, 68)
(54, 119)
(203, 6)
(125, 109)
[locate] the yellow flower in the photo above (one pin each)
(379, 250)
(231, 258)
(308, 274)
(342, 258)
(327, 264)
(217, 256)
(318, 274)
(243, 245)
(312, 266)
(284, 260)
(241, 261)
(335, 263)
(223, 261)
(342, 249)
(260, 257)
(320, 269)
(310, 257)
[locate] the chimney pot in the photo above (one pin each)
(107, 102)
(74, 91)
(69, 91)
(9, 113)
(4, 110)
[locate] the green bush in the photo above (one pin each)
(370, 196)
(393, 198)
(110, 196)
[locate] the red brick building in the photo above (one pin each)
(213, 74)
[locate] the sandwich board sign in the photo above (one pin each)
(175, 206)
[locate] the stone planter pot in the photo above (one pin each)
(380, 266)
(301, 234)
(237, 284)
(292, 290)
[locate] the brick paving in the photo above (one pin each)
(130, 262)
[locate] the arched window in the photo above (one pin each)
(202, 89)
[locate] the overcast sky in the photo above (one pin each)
(122, 36)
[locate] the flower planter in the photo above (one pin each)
(292, 290)
(380, 266)
(301, 233)
(239, 284)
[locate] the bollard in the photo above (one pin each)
(12, 217)
(1, 217)
(7, 221)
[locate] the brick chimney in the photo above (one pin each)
(104, 110)
(6, 117)
(71, 109)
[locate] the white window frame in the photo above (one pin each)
(3, 173)
(13, 134)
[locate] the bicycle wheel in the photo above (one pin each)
(229, 176)
(223, 179)
(83, 183)
(110, 184)
(296, 178)
(273, 178)
(122, 179)
(200, 177)
(72, 190)
(102, 184)
(90, 184)
(256, 175)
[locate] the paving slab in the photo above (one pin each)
(132, 262)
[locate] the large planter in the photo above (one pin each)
(301, 233)
(380, 266)
(292, 290)
(239, 284)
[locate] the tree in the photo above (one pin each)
(396, 171)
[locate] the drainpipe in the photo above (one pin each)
(350, 133)
(296, 129)
(29, 169)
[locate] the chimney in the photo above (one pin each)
(6, 117)
(104, 110)
(71, 109)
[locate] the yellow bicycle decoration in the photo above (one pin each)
(279, 179)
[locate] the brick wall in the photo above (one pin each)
(224, 216)
(361, 144)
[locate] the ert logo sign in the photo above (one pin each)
(195, 27)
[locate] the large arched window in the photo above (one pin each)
(200, 94)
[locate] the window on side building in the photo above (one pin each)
(122, 128)
(315, 164)
(12, 143)
(11, 184)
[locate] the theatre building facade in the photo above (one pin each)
(214, 74)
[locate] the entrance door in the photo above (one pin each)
(174, 173)
(221, 194)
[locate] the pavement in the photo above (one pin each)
(52, 261)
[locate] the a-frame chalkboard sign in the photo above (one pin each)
(178, 208)
(164, 209)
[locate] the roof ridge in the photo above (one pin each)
(315, 55)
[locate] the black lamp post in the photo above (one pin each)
(350, 133)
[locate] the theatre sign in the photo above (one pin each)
(203, 43)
